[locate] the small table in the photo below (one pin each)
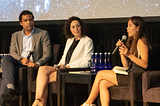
(78, 78)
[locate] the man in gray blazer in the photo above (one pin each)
(30, 47)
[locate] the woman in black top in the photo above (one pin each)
(136, 50)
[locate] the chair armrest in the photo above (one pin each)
(22, 79)
(32, 74)
(150, 79)
(135, 85)
(26, 76)
(55, 87)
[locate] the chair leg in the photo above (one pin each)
(58, 99)
(132, 103)
(20, 100)
(145, 104)
(50, 100)
(75, 101)
(126, 103)
(29, 98)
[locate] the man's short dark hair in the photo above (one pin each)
(24, 12)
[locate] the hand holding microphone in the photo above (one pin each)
(119, 43)
(123, 50)
(25, 61)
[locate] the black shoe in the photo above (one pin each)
(10, 94)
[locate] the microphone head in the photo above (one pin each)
(124, 37)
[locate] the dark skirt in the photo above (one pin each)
(123, 80)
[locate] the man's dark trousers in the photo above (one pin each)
(10, 68)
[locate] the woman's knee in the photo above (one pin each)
(46, 70)
(100, 74)
(105, 84)
(42, 69)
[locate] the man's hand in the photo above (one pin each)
(25, 61)
(31, 64)
(28, 63)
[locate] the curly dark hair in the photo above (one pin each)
(66, 30)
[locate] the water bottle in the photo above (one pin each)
(92, 66)
(100, 62)
(96, 62)
(105, 65)
(109, 61)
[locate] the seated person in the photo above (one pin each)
(22, 42)
(136, 50)
(77, 54)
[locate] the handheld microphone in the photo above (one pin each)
(124, 37)
(29, 55)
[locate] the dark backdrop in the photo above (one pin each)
(104, 32)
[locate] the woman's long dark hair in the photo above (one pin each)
(66, 30)
(141, 34)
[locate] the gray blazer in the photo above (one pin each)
(41, 45)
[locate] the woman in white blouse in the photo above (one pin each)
(77, 54)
